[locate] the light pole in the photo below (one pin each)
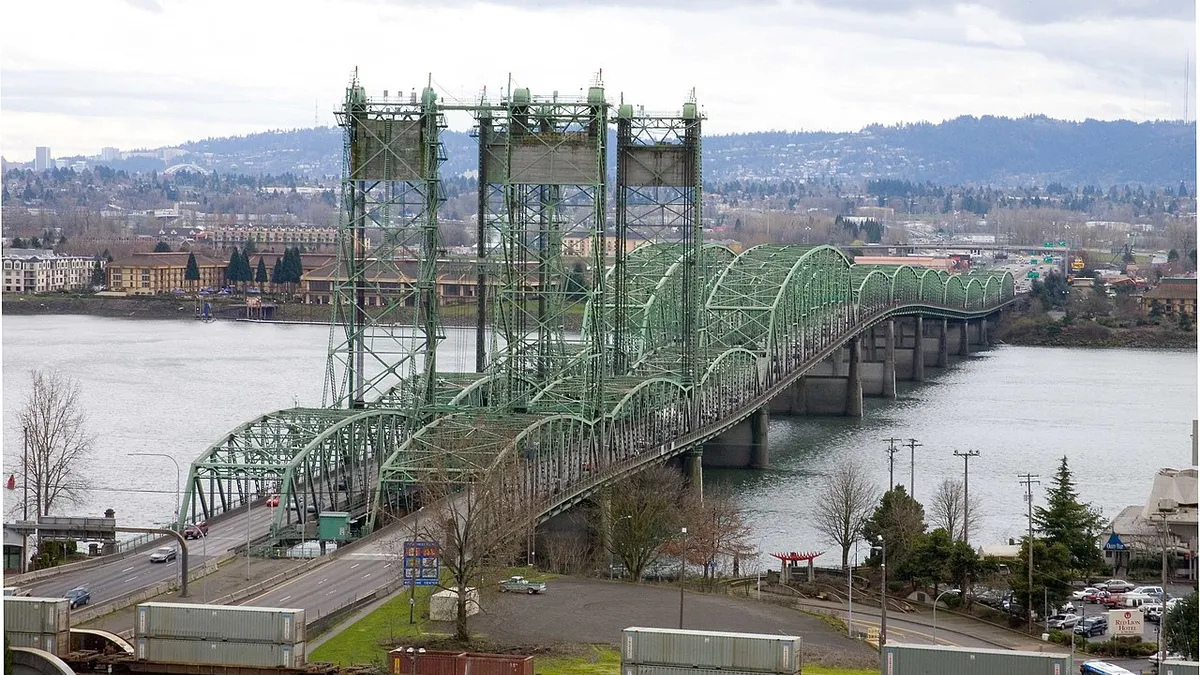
(1164, 510)
(682, 571)
(178, 508)
(204, 555)
(935, 603)
(850, 593)
(412, 657)
(883, 594)
(25, 506)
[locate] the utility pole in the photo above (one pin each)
(912, 467)
(892, 450)
(966, 490)
(1027, 479)
(25, 504)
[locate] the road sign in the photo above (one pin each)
(1062, 243)
(1047, 259)
(1031, 275)
(420, 563)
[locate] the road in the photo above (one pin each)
(120, 577)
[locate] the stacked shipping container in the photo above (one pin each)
(42, 623)
(219, 635)
(899, 659)
(663, 651)
(458, 663)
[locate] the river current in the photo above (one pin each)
(175, 387)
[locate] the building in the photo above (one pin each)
(29, 270)
(42, 160)
(1137, 532)
(1174, 295)
(109, 154)
(269, 237)
(154, 273)
(457, 284)
(946, 264)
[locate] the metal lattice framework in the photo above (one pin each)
(679, 341)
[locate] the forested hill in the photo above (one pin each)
(967, 150)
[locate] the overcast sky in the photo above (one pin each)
(78, 75)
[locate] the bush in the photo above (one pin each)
(1121, 648)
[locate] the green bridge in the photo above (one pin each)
(609, 335)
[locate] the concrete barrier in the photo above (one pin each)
(93, 613)
(337, 615)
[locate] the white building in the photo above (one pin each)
(41, 270)
(42, 159)
(1137, 532)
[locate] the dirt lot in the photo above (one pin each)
(595, 611)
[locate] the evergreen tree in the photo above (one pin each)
(1065, 520)
(192, 273)
(162, 247)
(276, 272)
(107, 256)
(1051, 568)
(250, 248)
(234, 268)
(35, 243)
(97, 274)
(900, 519)
(260, 274)
(1181, 632)
(18, 242)
(1172, 255)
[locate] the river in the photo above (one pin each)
(175, 387)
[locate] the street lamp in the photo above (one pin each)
(178, 507)
(682, 570)
(204, 555)
(883, 593)
(412, 657)
(955, 591)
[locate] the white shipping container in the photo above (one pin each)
(216, 652)
(751, 652)
(220, 622)
(1180, 668)
(638, 669)
(36, 615)
(58, 644)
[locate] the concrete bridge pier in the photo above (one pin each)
(918, 360)
(854, 389)
(910, 359)
(985, 333)
(964, 339)
(693, 472)
(743, 446)
(879, 376)
(943, 352)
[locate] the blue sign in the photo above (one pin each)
(420, 563)
(1114, 543)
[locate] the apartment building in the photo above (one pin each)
(42, 270)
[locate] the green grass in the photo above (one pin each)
(822, 670)
(367, 640)
(597, 661)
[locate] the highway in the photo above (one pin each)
(112, 580)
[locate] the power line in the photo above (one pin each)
(1027, 479)
(966, 491)
(892, 450)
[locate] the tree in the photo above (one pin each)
(18, 242)
(1065, 520)
(250, 248)
(192, 273)
(233, 269)
(946, 509)
(277, 272)
(899, 519)
(98, 273)
(718, 537)
(260, 275)
(844, 503)
(1181, 632)
(107, 256)
(1051, 570)
(927, 562)
(645, 514)
(162, 247)
(59, 443)
(1172, 255)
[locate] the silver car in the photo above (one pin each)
(162, 555)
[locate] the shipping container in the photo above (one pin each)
(58, 644)
(900, 659)
(220, 622)
(427, 663)
(495, 664)
(711, 649)
(36, 615)
(1180, 668)
(217, 652)
(458, 663)
(636, 669)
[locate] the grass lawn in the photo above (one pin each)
(363, 642)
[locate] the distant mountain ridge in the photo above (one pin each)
(985, 150)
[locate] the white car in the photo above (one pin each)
(1063, 621)
(1079, 595)
(1116, 586)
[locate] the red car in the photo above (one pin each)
(195, 530)
(273, 500)
(1095, 598)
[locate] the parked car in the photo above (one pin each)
(1152, 612)
(13, 590)
(163, 554)
(1092, 626)
(1083, 594)
(79, 596)
(1165, 656)
(1063, 621)
(521, 585)
(1097, 597)
(196, 530)
(1115, 586)
(1148, 590)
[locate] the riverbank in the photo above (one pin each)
(1033, 330)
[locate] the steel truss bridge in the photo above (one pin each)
(609, 335)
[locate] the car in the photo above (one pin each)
(1115, 586)
(1063, 621)
(1097, 597)
(1083, 594)
(1152, 612)
(1164, 655)
(163, 554)
(1092, 626)
(273, 500)
(13, 590)
(196, 530)
(520, 584)
(79, 596)
(1148, 590)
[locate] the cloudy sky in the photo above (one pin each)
(78, 75)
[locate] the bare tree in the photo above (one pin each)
(645, 514)
(843, 504)
(480, 528)
(718, 538)
(59, 447)
(946, 509)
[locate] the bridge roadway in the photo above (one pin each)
(133, 572)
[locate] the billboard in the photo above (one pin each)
(1125, 622)
(420, 563)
